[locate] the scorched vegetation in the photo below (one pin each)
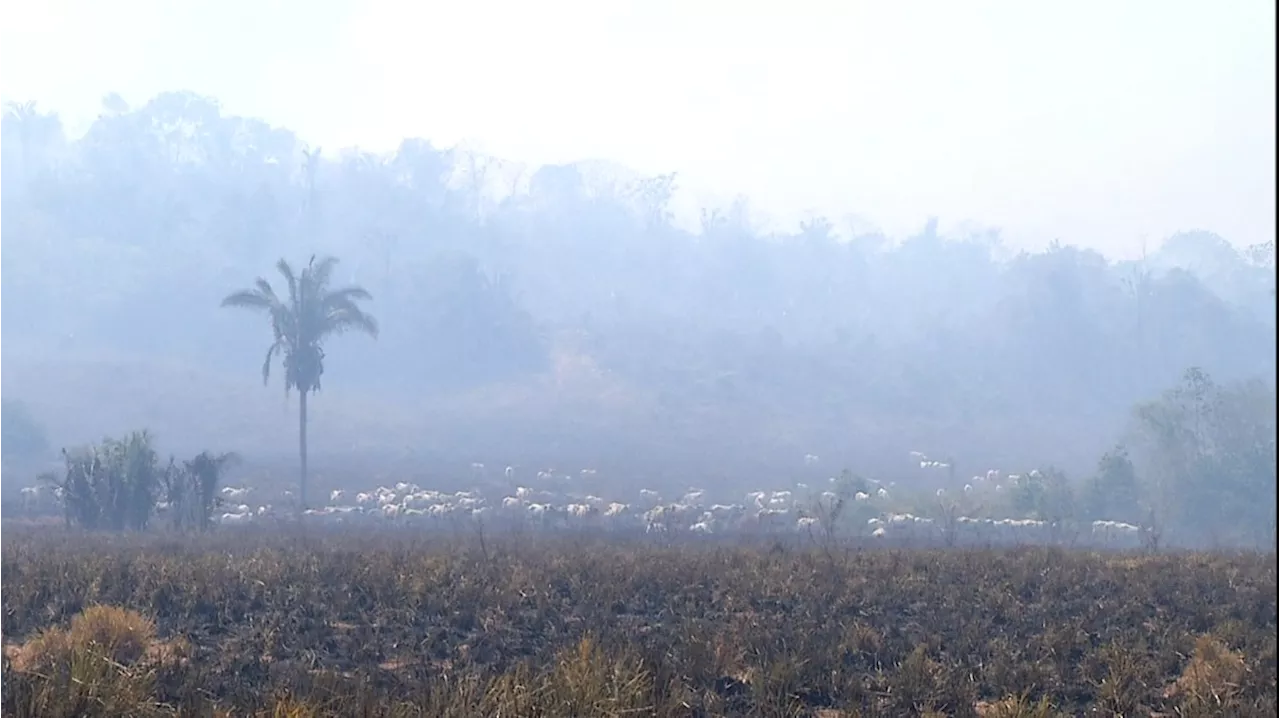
(391, 623)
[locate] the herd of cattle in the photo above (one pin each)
(550, 501)
(839, 507)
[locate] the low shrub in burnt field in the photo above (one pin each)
(360, 624)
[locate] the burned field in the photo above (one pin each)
(345, 623)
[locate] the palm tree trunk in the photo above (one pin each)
(302, 450)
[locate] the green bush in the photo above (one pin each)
(117, 485)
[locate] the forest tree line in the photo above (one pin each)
(486, 274)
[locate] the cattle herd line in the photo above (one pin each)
(552, 502)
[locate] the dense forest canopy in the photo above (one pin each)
(558, 311)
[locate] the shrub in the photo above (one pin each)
(191, 489)
(113, 485)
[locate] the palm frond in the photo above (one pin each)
(265, 289)
(342, 303)
(250, 299)
(275, 348)
(343, 320)
(290, 278)
(346, 295)
(320, 270)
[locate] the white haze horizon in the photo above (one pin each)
(1108, 126)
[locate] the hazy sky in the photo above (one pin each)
(1097, 122)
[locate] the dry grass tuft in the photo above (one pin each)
(91, 668)
(115, 634)
(1017, 707)
(1211, 681)
(290, 707)
(587, 681)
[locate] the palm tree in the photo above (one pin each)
(300, 324)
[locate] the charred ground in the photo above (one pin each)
(386, 623)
